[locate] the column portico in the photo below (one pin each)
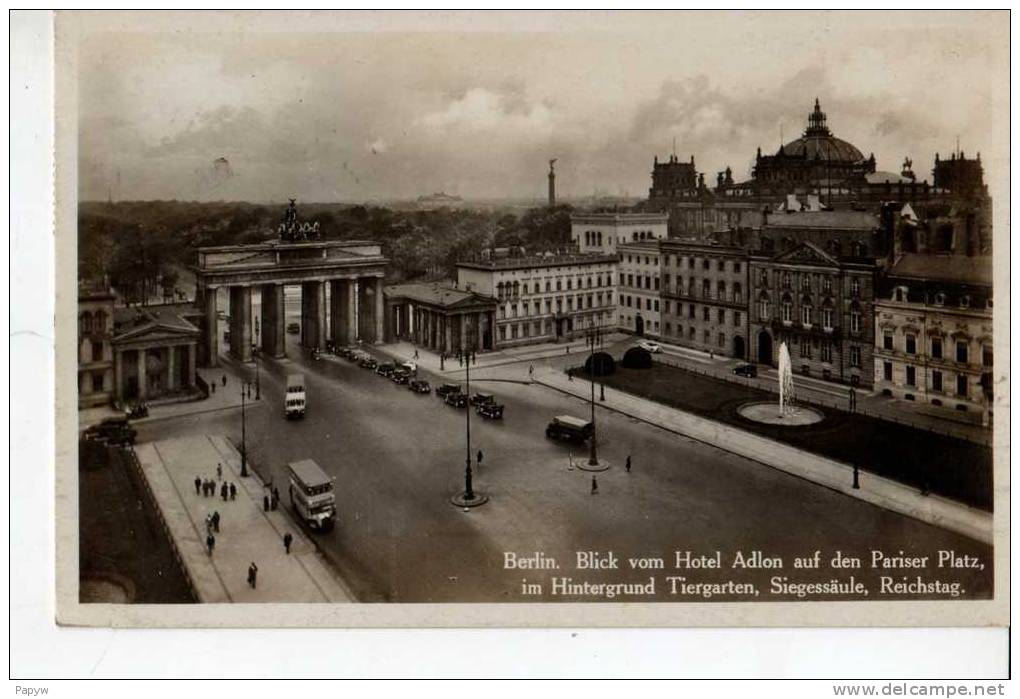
(212, 329)
(142, 381)
(240, 323)
(273, 327)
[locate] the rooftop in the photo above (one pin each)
(618, 217)
(440, 293)
(861, 220)
(954, 268)
(530, 261)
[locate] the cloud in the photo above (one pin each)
(483, 110)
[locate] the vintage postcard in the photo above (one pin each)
(532, 319)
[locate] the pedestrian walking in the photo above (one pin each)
(233, 491)
(415, 352)
(198, 485)
(224, 491)
(594, 486)
(210, 542)
(212, 388)
(287, 539)
(253, 574)
(208, 524)
(219, 472)
(479, 457)
(265, 503)
(628, 463)
(216, 521)
(224, 380)
(531, 372)
(276, 497)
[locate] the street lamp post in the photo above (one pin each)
(258, 383)
(468, 498)
(593, 458)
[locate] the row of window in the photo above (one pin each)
(938, 299)
(704, 262)
(706, 289)
(809, 281)
(635, 302)
(692, 335)
(806, 347)
(636, 259)
(736, 317)
(92, 322)
(535, 307)
(512, 289)
(635, 282)
(808, 315)
(910, 379)
(935, 347)
(537, 328)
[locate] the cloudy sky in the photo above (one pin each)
(363, 107)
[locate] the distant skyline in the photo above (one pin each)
(324, 107)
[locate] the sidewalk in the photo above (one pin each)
(835, 475)
(831, 395)
(247, 533)
(225, 397)
(427, 359)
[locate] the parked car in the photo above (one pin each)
(368, 363)
(446, 388)
(570, 428)
(490, 410)
(419, 386)
(400, 376)
(114, 430)
(456, 400)
(748, 370)
(293, 328)
(481, 398)
(385, 369)
(345, 352)
(410, 366)
(652, 347)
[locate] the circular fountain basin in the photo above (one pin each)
(769, 413)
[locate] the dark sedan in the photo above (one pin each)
(747, 370)
(419, 386)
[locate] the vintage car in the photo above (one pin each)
(293, 328)
(570, 428)
(419, 386)
(400, 376)
(114, 430)
(652, 347)
(385, 369)
(490, 410)
(456, 400)
(446, 388)
(482, 398)
(747, 370)
(367, 362)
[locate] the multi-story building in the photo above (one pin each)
(638, 284)
(821, 306)
(933, 338)
(832, 171)
(704, 296)
(544, 298)
(95, 349)
(604, 232)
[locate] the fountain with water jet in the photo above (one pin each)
(784, 412)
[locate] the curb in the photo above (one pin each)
(985, 534)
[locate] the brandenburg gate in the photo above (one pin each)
(354, 271)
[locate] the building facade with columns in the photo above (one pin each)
(544, 298)
(602, 232)
(341, 293)
(440, 317)
(155, 353)
(95, 350)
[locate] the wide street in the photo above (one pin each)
(399, 456)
